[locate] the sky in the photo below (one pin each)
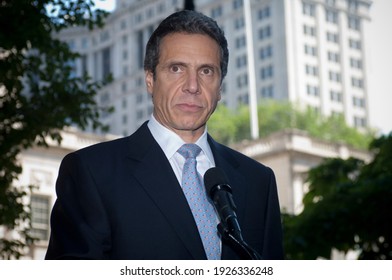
(379, 51)
(380, 65)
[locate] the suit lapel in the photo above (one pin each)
(224, 160)
(154, 173)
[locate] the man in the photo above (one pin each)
(128, 198)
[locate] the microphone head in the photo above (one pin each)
(215, 177)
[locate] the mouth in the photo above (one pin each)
(189, 107)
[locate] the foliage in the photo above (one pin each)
(39, 94)
(348, 207)
(274, 116)
(222, 123)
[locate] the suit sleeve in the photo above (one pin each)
(273, 237)
(79, 223)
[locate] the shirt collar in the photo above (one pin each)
(170, 142)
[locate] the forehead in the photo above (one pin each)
(184, 46)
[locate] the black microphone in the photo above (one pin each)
(218, 189)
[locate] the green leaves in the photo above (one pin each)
(348, 207)
(39, 94)
(229, 126)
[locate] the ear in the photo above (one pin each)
(149, 78)
(220, 94)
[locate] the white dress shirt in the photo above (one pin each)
(170, 142)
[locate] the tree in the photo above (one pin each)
(39, 95)
(348, 207)
(277, 115)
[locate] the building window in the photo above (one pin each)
(161, 8)
(124, 119)
(311, 50)
(331, 3)
(311, 70)
(125, 55)
(124, 39)
(243, 99)
(358, 102)
(139, 82)
(353, 6)
(265, 32)
(354, 23)
(334, 57)
(336, 96)
(106, 63)
(138, 18)
(124, 87)
(84, 64)
(239, 23)
(358, 83)
(242, 81)
(264, 13)
(139, 114)
(266, 52)
(237, 4)
(139, 98)
(331, 16)
(125, 70)
(267, 92)
(359, 122)
(123, 24)
(217, 12)
(355, 44)
(267, 72)
(312, 90)
(308, 9)
(335, 76)
(139, 49)
(71, 45)
(105, 98)
(150, 13)
(241, 61)
(309, 30)
(40, 216)
(332, 37)
(104, 36)
(356, 63)
(240, 42)
(84, 43)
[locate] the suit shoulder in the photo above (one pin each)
(114, 148)
(102, 149)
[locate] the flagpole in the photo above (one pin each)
(254, 122)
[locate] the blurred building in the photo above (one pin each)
(310, 52)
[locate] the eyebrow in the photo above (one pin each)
(181, 63)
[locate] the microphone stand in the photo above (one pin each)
(234, 237)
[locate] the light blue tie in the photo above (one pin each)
(202, 209)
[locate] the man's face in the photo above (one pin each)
(186, 88)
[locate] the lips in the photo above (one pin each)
(189, 107)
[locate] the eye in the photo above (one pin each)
(207, 71)
(175, 68)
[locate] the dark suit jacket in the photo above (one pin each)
(121, 200)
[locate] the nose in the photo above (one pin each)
(191, 84)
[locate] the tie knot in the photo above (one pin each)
(189, 150)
